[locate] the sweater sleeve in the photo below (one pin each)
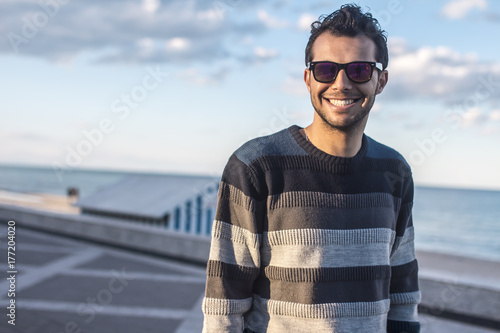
(234, 260)
(404, 290)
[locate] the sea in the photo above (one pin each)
(454, 221)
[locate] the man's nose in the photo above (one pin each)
(342, 82)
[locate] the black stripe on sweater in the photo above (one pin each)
(404, 278)
(229, 281)
(338, 289)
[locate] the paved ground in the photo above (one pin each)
(69, 286)
(65, 285)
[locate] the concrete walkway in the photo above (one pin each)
(70, 286)
(64, 285)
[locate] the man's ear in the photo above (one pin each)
(307, 78)
(382, 81)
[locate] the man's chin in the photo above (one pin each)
(343, 124)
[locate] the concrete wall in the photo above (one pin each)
(458, 301)
(148, 238)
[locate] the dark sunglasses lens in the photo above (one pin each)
(359, 71)
(325, 71)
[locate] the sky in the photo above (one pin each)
(178, 85)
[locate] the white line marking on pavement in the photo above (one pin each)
(35, 276)
(137, 276)
(125, 311)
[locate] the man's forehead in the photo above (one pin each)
(331, 43)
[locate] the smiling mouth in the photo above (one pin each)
(342, 102)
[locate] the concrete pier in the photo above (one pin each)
(459, 288)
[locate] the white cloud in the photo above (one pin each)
(472, 117)
(269, 21)
(263, 53)
(119, 30)
(476, 117)
(150, 6)
(305, 21)
(178, 44)
(458, 9)
(494, 115)
(436, 72)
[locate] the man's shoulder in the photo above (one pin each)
(281, 143)
(378, 150)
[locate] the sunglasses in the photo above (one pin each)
(356, 71)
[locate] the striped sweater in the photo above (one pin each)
(304, 241)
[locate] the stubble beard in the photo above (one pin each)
(351, 125)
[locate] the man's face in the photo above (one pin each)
(343, 105)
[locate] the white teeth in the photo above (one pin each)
(341, 102)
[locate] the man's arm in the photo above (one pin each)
(234, 261)
(404, 291)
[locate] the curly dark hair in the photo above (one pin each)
(350, 21)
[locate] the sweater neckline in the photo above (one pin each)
(318, 153)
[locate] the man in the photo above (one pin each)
(313, 230)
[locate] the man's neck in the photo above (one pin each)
(334, 141)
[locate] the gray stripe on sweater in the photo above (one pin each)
(234, 245)
(404, 248)
(326, 256)
(406, 298)
(258, 322)
(301, 248)
(327, 248)
(244, 250)
(224, 307)
(325, 310)
(320, 237)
